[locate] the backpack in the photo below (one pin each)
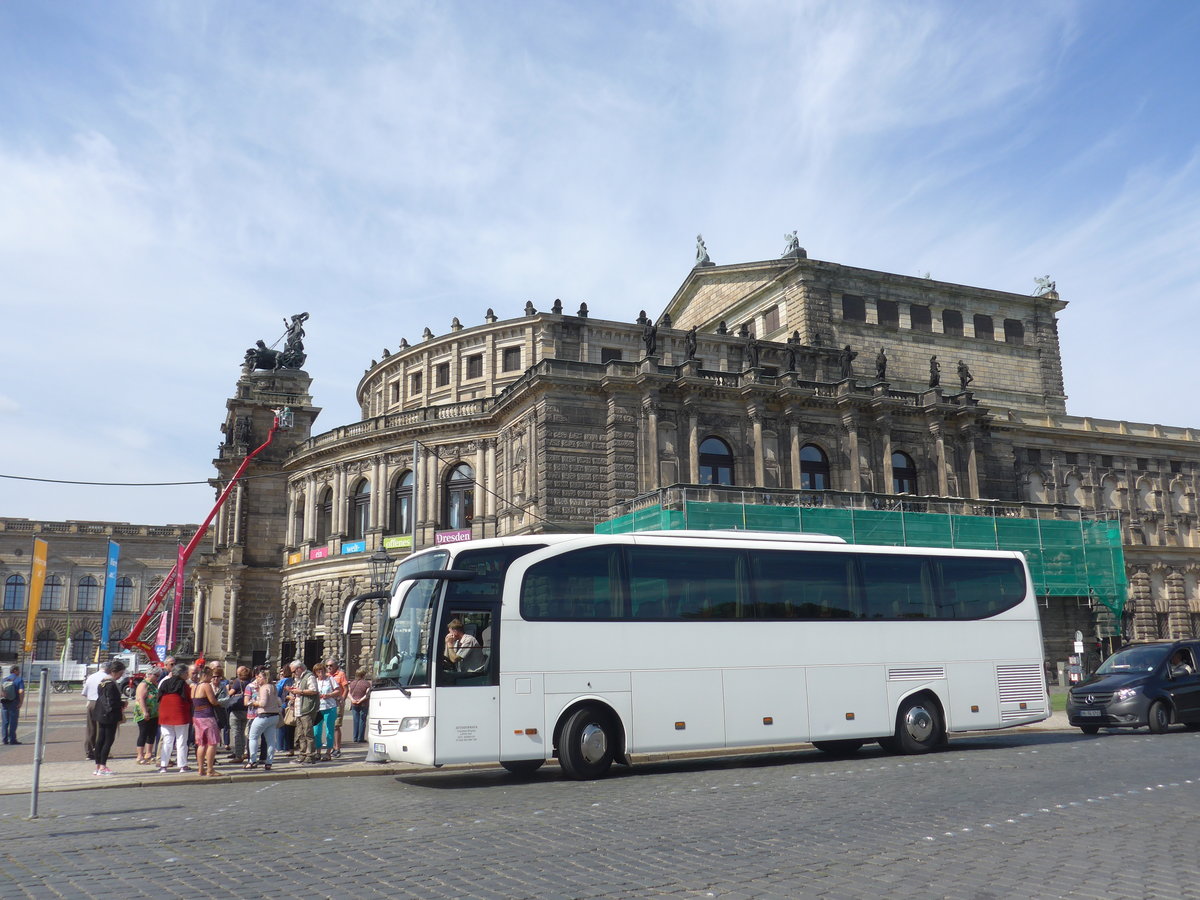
(109, 708)
(9, 692)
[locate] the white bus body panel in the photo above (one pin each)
(765, 706)
(466, 724)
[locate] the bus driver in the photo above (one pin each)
(462, 649)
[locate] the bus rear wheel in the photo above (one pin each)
(587, 744)
(918, 727)
(838, 748)
(522, 767)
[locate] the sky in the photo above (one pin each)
(178, 178)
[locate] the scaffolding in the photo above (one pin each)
(1070, 554)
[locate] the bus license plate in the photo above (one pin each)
(380, 748)
(1091, 712)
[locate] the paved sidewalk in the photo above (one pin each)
(76, 774)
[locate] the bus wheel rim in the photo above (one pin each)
(918, 723)
(593, 743)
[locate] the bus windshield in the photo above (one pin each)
(402, 656)
(406, 641)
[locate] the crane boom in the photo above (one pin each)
(136, 639)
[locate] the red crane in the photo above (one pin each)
(136, 639)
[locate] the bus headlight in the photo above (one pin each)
(1124, 694)
(413, 723)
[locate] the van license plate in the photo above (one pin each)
(1091, 712)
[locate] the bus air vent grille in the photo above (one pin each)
(1021, 683)
(916, 673)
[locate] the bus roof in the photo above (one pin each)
(730, 535)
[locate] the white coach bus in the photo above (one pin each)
(590, 648)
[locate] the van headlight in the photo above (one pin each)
(413, 723)
(1124, 694)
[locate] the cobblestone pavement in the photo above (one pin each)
(1032, 814)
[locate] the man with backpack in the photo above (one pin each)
(12, 696)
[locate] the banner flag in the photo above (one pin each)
(180, 562)
(37, 581)
(110, 590)
(161, 639)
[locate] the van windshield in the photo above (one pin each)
(1133, 659)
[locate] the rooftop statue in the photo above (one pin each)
(292, 356)
(702, 252)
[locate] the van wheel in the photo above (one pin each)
(838, 748)
(587, 744)
(1090, 729)
(1159, 718)
(522, 767)
(918, 727)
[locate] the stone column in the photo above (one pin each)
(885, 432)
(1177, 608)
(693, 476)
(480, 463)
(972, 463)
(850, 423)
(489, 498)
(239, 495)
(378, 495)
(1144, 627)
(939, 443)
(649, 479)
(794, 432)
(760, 474)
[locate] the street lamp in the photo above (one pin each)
(379, 564)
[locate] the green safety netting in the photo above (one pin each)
(1067, 558)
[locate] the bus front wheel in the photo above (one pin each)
(587, 744)
(918, 727)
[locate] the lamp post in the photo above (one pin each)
(379, 565)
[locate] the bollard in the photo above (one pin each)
(38, 741)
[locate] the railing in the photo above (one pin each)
(675, 496)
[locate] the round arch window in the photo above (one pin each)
(814, 468)
(400, 520)
(460, 497)
(360, 510)
(904, 474)
(716, 462)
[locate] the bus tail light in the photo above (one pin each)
(849, 717)
(529, 731)
(680, 726)
(768, 720)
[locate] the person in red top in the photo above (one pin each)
(174, 717)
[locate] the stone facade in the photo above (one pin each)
(551, 421)
(72, 601)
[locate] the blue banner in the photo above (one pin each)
(354, 547)
(110, 590)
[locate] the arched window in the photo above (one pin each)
(298, 519)
(87, 594)
(83, 647)
(52, 594)
(460, 497)
(324, 521)
(46, 646)
(10, 643)
(115, 635)
(716, 462)
(814, 468)
(400, 515)
(14, 592)
(360, 510)
(123, 595)
(904, 474)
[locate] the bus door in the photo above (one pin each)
(466, 711)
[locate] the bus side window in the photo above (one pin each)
(466, 656)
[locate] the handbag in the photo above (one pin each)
(289, 716)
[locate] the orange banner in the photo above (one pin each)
(36, 582)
